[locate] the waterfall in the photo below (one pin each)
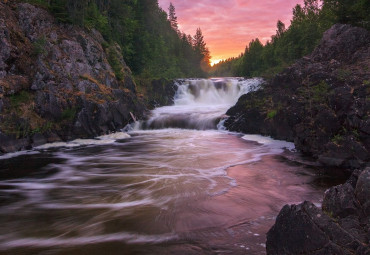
(200, 103)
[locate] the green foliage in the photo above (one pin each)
(116, 65)
(39, 47)
(69, 114)
(41, 3)
(344, 74)
(337, 139)
(95, 19)
(20, 98)
(287, 45)
(151, 43)
(350, 12)
(271, 114)
(320, 91)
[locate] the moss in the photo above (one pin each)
(21, 98)
(271, 114)
(343, 74)
(69, 114)
(39, 47)
(320, 91)
(337, 139)
(116, 66)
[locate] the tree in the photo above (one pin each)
(172, 17)
(350, 12)
(201, 50)
(280, 28)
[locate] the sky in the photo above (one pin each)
(229, 25)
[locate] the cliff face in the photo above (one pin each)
(57, 82)
(322, 102)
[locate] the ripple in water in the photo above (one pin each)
(176, 191)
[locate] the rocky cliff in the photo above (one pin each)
(322, 102)
(58, 81)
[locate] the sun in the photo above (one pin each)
(215, 61)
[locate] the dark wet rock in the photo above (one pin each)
(362, 192)
(340, 202)
(341, 43)
(56, 80)
(321, 102)
(305, 229)
(11, 144)
(340, 227)
(38, 139)
(160, 92)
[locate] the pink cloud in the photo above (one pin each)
(229, 25)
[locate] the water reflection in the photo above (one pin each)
(185, 191)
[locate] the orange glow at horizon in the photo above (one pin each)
(229, 25)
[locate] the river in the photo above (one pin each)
(177, 183)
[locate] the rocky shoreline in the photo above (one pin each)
(322, 104)
(59, 82)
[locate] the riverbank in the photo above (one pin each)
(321, 103)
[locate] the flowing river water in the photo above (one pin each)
(177, 183)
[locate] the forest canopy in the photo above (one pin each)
(151, 42)
(308, 24)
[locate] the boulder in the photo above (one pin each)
(340, 227)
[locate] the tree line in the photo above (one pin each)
(308, 24)
(151, 42)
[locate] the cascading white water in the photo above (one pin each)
(200, 103)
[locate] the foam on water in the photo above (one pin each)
(131, 238)
(17, 154)
(271, 143)
(200, 104)
(176, 181)
(100, 140)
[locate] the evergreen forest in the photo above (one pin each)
(307, 26)
(154, 47)
(151, 42)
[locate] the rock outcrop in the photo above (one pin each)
(340, 227)
(159, 92)
(58, 82)
(322, 102)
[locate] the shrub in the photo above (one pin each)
(271, 114)
(39, 47)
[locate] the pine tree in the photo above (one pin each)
(201, 50)
(280, 29)
(172, 17)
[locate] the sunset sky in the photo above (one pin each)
(229, 25)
